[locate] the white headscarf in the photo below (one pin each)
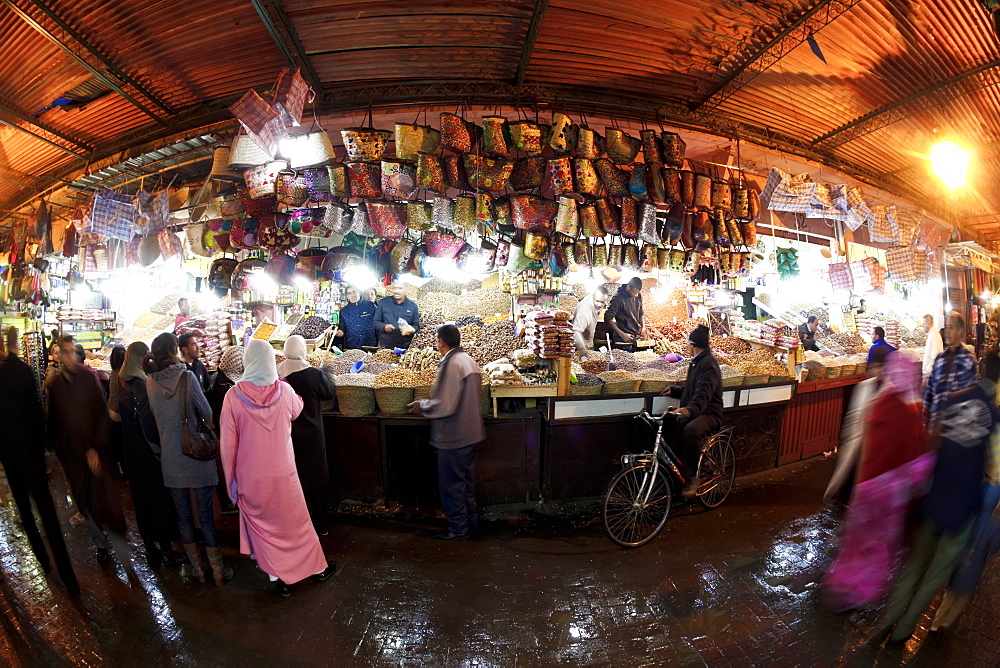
(258, 364)
(295, 356)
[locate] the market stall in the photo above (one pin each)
(503, 227)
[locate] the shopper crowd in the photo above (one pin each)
(922, 461)
(919, 459)
(270, 463)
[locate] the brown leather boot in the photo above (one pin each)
(220, 571)
(194, 556)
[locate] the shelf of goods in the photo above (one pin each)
(88, 333)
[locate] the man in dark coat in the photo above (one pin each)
(700, 411)
(187, 344)
(807, 333)
(625, 315)
(78, 425)
(23, 457)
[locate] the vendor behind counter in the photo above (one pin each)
(625, 313)
(395, 317)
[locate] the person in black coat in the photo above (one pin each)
(154, 508)
(23, 457)
(308, 437)
(700, 411)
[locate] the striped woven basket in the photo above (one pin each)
(816, 374)
(356, 401)
(421, 392)
(393, 400)
(649, 385)
(621, 386)
(584, 390)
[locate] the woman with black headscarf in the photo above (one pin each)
(154, 509)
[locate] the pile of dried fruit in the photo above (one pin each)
(730, 345)
(624, 360)
(588, 380)
(426, 336)
(384, 355)
(594, 366)
(311, 327)
(356, 379)
(497, 340)
(398, 378)
(418, 359)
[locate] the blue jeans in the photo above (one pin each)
(206, 514)
(456, 483)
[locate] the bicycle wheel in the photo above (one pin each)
(636, 505)
(716, 473)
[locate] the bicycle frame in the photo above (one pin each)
(660, 451)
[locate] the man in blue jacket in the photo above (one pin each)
(389, 313)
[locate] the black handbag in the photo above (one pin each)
(199, 441)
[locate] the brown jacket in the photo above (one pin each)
(454, 403)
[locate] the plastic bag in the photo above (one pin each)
(405, 328)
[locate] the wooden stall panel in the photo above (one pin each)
(812, 424)
(355, 458)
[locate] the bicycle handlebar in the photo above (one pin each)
(649, 418)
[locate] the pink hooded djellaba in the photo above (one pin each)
(259, 463)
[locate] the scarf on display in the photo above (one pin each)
(258, 364)
(295, 356)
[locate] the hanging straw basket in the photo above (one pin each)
(393, 400)
(621, 386)
(421, 392)
(650, 385)
(584, 390)
(356, 401)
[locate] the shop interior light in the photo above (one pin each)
(302, 284)
(360, 277)
(951, 163)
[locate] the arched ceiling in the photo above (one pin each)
(866, 86)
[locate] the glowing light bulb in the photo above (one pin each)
(951, 163)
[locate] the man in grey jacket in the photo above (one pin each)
(456, 430)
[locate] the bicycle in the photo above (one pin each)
(638, 499)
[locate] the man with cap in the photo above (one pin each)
(624, 314)
(700, 410)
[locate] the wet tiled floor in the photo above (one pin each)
(736, 586)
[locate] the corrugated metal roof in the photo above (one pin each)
(672, 53)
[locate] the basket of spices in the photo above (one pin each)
(587, 384)
(619, 382)
(355, 395)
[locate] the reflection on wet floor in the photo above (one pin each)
(736, 586)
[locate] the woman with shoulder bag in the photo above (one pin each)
(182, 474)
(154, 509)
(259, 462)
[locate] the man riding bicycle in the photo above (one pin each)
(700, 411)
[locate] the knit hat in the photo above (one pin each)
(699, 336)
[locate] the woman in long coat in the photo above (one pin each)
(308, 438)
(259, 463)
(183, 475)
(154, 509)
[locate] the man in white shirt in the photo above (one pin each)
(585, 320)
(934, 345)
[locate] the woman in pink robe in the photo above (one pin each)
(259, 463)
